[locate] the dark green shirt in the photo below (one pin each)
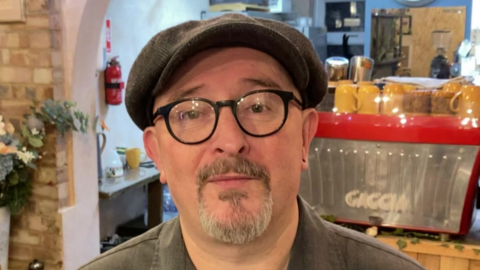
(318, 245)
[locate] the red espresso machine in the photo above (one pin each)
(417, 173)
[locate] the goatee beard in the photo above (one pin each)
(241, 226)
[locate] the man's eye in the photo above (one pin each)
(191, 115)
(257, 108)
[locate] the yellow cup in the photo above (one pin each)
(452, 87)
(409, 88)
(345, 82)
(346, 99)
(134, 157)
(332, 84)
(468, 103)
(392, 99)
(368, 99)
(365, 83)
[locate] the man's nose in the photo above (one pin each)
(229, 137)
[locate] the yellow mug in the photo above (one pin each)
(134, 157)
(468, 103)
(364, 83)
(368, 99)
(345, 82)
(332, 84)
(346, 99)
(452, 87)
(392, 99)
(409, 88)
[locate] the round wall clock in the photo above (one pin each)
(415, 3)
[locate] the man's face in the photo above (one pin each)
(234, 185)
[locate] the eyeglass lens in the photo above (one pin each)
(258, 114)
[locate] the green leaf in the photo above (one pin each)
(477, 251)
(25, 132)
(459, 247)
(51, 113)
(19, 196)
(35, 142)
(42, 117)
(398, 231)
(95, 123)
(32, 166)
(86, 122)
(445, 245)
(415, 241)
(421, 234)
(401, 244)
(13, 179)
(329, 218)
(23, 175)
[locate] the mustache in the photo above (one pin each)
(236, 164)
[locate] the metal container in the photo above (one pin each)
(337, 68)
(36, 265)
(361, 69)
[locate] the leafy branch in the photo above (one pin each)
(61, 115)
(18, 157)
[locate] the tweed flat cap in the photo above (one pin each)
(167, 50)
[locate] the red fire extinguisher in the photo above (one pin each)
(113, 82)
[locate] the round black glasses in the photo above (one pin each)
(259, 114)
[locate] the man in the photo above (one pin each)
(227, 109)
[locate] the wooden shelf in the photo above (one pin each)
(433, 248)
(433, 256)
(237, 7)
(391, 16)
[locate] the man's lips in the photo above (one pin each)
(230, 181)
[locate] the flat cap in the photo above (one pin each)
(167, 50)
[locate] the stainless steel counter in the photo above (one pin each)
(112, 187)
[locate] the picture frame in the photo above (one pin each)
(12, 11)
(404, 25)
(415, 3)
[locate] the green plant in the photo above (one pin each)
(19, 152)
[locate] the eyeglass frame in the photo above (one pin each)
(165, 110)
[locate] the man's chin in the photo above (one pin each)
(236, 223)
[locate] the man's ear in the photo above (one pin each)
(152, 148)
(310, 123)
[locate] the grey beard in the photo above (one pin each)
(241, 227)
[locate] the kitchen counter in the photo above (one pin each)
(112, 187)
(109, 188)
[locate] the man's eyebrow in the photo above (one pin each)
(179, 94)
(262, 82)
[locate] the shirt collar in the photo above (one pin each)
(313, 248)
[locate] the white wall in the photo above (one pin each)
(475, 12)
(133, 24)
(82, 21)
